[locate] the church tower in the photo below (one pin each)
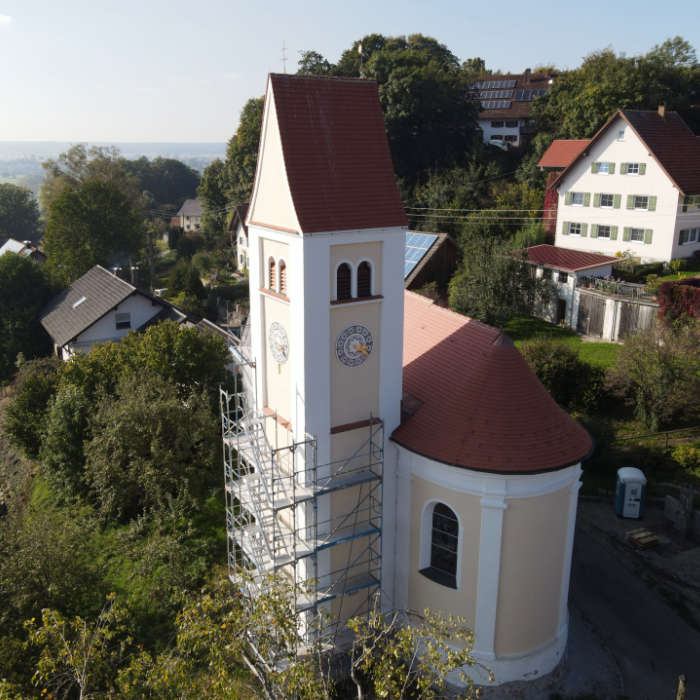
(326, 236)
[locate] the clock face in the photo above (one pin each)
(354, 345)
(279, 343)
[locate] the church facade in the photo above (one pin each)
(382, 443)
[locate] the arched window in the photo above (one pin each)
(271, 274)
(342, 279)
(364, 279)
(283, 277)
(444, 541)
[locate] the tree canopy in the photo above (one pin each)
(19, 213)
(24, 290)
(87, 223)
(164, 182)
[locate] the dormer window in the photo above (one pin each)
(364, 279)
(343, 283)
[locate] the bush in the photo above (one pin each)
(679, 300)
(658, 374)
(184, 277)
(572, 383)
(687, 456)
(25, 416)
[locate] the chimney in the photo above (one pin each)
(662, 111)
(527, 75)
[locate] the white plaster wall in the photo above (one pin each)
(141, 309)
(271, 203)
(654, 182)
(488, 130)
(689, 219)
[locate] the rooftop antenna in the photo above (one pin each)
(284, 57)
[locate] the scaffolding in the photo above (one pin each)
(281, 508)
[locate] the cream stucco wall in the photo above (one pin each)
(424, 593)
(272, 201)
(655, 182)
(532, 559)
(355, 393)
(277, 387)
(355, 253)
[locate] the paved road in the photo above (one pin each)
(649, 640)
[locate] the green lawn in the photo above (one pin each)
(524, 328)
(692, 270)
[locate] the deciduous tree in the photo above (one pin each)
(19, 213)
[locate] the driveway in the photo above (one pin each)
(649, 640)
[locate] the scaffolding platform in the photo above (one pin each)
(274, 493)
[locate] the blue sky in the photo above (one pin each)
(151, 70)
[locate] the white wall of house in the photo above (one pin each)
(242, 247)
(566, 291)
(513, 132)
(191, 223)
(140, 310)
(618, 145)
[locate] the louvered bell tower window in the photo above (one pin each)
(364, 280)
(283, 277)
(343, 284)
(271, 274)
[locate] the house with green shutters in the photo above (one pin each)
(633, 188)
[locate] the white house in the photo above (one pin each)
(505, 103)
(24, 249)
(99, 307)
(379, 441)
(634, 188)
(239, 235)
(190, 215)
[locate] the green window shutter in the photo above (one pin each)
(612, 169)
(652, 203)
(565, 228)
(594, 230)
(584, 230)
(623, 168)
(626, 233)
(613, 233)
(596, 199)
(567, 198)
(630, 201)
(587, 199)
(642, 168)
(616, 200)
(594, 167)
(647, 235)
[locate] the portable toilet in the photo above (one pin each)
(630, 492)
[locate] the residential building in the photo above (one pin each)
(100, 307)
(24, 249)
(633, 188)
(190, 215)
(506, 105)
(565, 268)
(378, 443)
(239, 235)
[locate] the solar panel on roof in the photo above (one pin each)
(417, 245)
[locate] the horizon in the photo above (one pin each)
(166, 72)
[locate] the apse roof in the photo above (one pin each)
(479, 405)
(336, 153)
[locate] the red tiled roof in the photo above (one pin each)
(670, 142)
(482, 407)
(336, 153)
(562, 152)
(565, 258)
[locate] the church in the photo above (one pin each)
(378, 442)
